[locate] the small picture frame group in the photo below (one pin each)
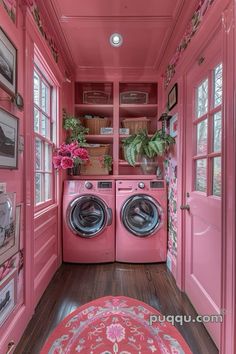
(8, 64)
(174, 125)
(172, 97)
(8, 140)
(10, 216)
(8, 295)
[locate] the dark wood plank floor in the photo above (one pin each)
(74, 285)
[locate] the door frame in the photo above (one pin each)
(226, 10)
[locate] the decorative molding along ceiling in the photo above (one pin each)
(191, 29)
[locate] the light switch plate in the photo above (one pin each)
(3, 187)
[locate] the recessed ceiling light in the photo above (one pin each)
(116, 39)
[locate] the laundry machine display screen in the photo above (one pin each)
(87, 216)
(157, 184)
(141, 215)
(105, 185)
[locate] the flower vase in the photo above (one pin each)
(74, 171)
(148, 165)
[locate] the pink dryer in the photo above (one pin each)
(88, 222)
(141, 221)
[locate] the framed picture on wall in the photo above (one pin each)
(8, 62)
(9, 226)
(8, 295)
(8, 140)
(172, 97)
(174, 125)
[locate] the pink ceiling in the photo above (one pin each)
(86, 25)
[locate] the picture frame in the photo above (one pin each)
(172, 97)
(174, 126)
(8, 64)
(8, 295)
(8, 140)
(10, 216)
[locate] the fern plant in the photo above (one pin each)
(142, 144)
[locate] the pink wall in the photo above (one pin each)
(20, 180)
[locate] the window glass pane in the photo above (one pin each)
(202, 137)
(217, 85)
(48, 157)
(45, 98)
(48, 186)
(38, 154)
(36, 120)
(44, 125)
(217, 131)
(38, 188)
(216, 176)
(202, 99)
(36, 88)
(201, 175)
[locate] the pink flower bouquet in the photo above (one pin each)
(69, 156)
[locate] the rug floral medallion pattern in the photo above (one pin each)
(115, 325)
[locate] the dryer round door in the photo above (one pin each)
(141, 215)
(88, 215)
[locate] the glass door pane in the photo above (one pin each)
(201, 175)
(202, 137)
(202, 99)
(216, 185)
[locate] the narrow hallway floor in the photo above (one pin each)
(75, 284)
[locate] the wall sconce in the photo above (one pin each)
(164, 118)
(18, 101)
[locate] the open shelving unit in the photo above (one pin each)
(109, 104)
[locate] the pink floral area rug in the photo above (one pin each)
(115, 325)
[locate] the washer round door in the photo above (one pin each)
(141, 215)
(88, 215)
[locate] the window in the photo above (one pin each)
(43, 140)
(208, 133)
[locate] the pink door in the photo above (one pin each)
(203, 265)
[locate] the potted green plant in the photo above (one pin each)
(148, 147)
(75, 130)
(107, 161)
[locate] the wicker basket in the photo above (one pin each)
(94, 167)
(98, 149)
(136, 124)
(95, 124)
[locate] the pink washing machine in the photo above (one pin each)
(88, 222)
(141, 221)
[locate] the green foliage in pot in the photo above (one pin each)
(75, 130)
(107, 161)
(142, 144)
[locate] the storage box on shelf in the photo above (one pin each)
(98, 149)
(94, 124)
(137, 111)
(98, 155)
(95, 166)
(136, 124)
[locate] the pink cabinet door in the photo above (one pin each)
(203, 267)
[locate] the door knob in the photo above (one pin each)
(185, 207)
